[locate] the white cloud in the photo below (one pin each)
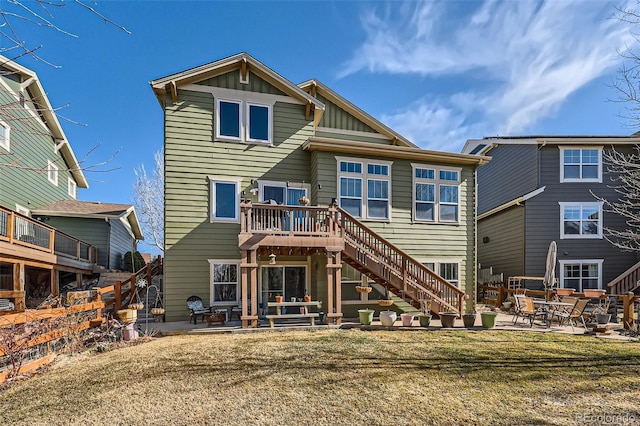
(526, 58)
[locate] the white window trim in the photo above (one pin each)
(437, 182)
(72, 188)
(562, 263)
(52, 168)
(438, 261)
(244, 100)
(212, 188)
(564, 236)
(213, 262)
(569, 180)
(282, 184)
(365, 177)
(240, 120)
(6, 144)
(269, 108)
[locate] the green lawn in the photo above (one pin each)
(339, 377)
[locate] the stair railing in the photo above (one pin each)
(397, 268)
(626, 282)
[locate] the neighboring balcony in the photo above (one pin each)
(31, 239)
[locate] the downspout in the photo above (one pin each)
(106, 219)
(475, 235)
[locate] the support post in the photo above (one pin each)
(117, 290)
(243, 288)
(254, 288)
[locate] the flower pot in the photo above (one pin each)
(363, 289)
(407, 319)
(593, 293)
(278, 299)
(424, 320)
(507, 305)
(307, 298)
(385, 302)
(488, 319)
(303, 201)
(603, 318)
(366, 316)
(447, 319)
(469, 320)
(387, 318)
(564, 291)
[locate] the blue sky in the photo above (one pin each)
(437, 72)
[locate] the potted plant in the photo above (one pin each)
(364, 289)
(303, 201)
(469, 319)
(387, 318)
(278, 299)
(366, 316)
(447, 319)
(307, 297)
(424, 317)
(601, 313)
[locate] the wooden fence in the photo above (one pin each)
(38, 344)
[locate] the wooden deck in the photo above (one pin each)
(306, 230)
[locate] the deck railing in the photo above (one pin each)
(398, 268)
(293, 221)
(18, 229)
(628, 281)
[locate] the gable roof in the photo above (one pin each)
(93, 210)
(243, 61)
(314, 85)
(484, 145)
(29, 79)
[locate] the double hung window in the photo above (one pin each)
(579, 164)
(4, 136)
(224, 282)
(436, 194)
(52, 172)
(364, 188)
(581, 274)
(580, 220)
(447, 270)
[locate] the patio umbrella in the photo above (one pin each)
(550, 272)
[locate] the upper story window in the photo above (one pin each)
(580, 164)
(364, 188)
(72, 188)
(436, 194)
(52, 172)
(243, 121)
(224, 198)
(581, 220)
(4, 136)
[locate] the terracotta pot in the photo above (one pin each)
(278, 299)
(307, 298)
(564, 291)
(593, 293)
(447, 319)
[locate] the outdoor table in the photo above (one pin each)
(547, 304)
(306, 314)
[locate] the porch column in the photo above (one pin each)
(249, 271)
(55, 282)
(254, 288)
(334, 290)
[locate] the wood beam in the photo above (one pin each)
(243, 70)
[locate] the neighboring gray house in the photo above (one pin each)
(112, 228)
(537, 189)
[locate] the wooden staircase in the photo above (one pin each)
(394, 269)
(627, 282)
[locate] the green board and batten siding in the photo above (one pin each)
(31, 147)
(191, 157)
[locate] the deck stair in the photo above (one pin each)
(392, 268)
(627, 282)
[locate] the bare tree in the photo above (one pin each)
(149, 201)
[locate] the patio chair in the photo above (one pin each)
(564, 312)
(528, 310)
(518, 306)
(194, 303)
(572, 316)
